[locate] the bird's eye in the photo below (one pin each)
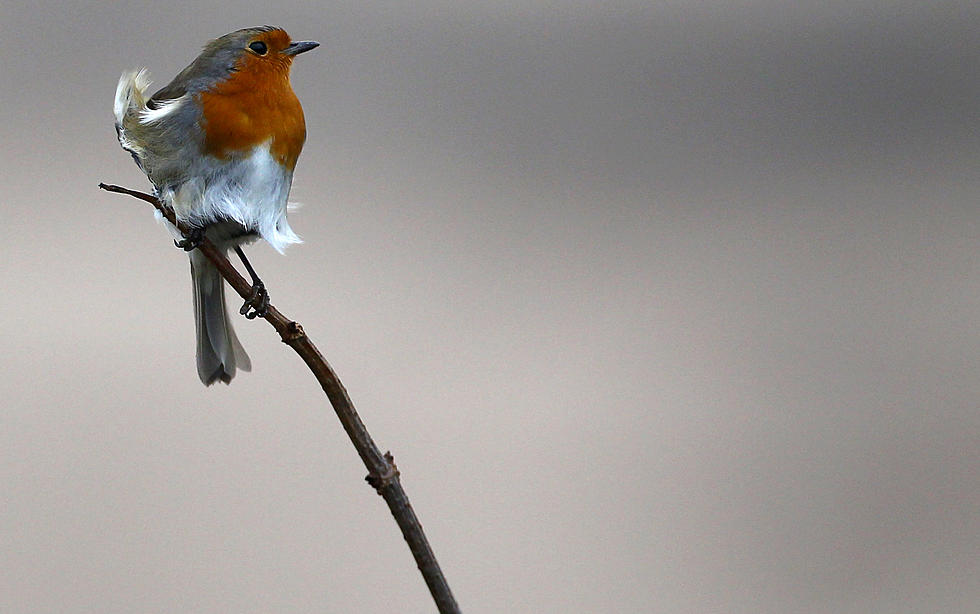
(259, 47)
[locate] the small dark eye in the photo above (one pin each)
(258, 47)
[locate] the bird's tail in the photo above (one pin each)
(219, 353)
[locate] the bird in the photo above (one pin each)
(220, 143)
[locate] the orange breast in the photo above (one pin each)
(255, 105)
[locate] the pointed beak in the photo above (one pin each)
(299, 47)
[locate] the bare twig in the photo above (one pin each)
(383, 475)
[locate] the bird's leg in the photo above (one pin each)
(258, 300)
(191, 240)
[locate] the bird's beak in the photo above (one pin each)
(299, 47)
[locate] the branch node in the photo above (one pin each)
(294, 332)
(390, 476)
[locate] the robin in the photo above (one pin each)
(219, 144)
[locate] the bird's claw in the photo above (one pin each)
(257, 303)
(192, 240)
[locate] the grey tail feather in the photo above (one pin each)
(219, 353)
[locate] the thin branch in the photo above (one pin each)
(383, 475)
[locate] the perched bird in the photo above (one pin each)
(219, 144)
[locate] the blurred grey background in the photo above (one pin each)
(661, 307)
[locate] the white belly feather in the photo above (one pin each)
(251, 190)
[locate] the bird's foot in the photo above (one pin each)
(257, 303)
(192, 240)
